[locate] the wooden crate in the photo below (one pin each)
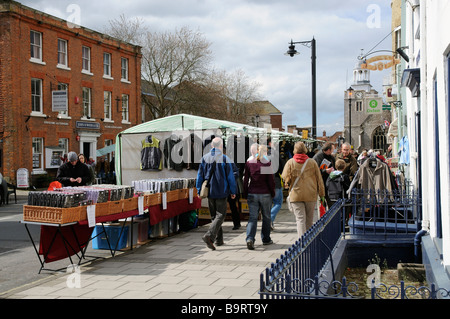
(83, 213)
(53, 215)
(152, 199)
(115, 207)
(102, 209)
(130, 204)
(173, 196)
(183, 193)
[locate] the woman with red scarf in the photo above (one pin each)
(307, 189)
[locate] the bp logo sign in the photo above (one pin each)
(374, 107)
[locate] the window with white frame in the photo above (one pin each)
(86, 59)
(36, 45)
(109, 155)
(107, 105)
(125, 116)
(62, 53)
(64, 143)
(87, 102)
(36, 95)
(38, 160)
(63, 87)
(107, 64)
(124, 69)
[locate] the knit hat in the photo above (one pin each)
(72, 157)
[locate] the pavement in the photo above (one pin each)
(179, 266)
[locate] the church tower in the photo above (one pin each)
(363, 113)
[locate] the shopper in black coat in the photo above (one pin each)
(73, 172)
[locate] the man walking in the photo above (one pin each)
(326, 162)
(218, 169)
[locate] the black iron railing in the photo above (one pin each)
(296, 273)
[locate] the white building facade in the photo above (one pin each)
(426, 101)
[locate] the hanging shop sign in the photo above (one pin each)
(59, 101)
(380, 63)
(374, 106)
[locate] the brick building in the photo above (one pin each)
(62, 88)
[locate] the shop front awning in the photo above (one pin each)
(411, 80)
(106, 150)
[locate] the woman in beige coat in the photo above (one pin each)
(304, 194)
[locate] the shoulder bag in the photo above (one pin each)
(296, 180)
(204, 190)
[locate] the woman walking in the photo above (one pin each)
(303, 177)
(259, 189)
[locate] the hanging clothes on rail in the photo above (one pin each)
(173, 153)
(151, 154)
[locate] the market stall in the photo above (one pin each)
(173, 146)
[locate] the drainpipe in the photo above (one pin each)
(417, 242)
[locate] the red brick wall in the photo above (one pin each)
(277, 121)
(16, 72)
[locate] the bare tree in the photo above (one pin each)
(129, 30)
(176, 74)
(168, 60)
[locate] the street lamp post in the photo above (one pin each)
(291, 52)
(350, 95)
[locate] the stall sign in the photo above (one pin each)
(382, 62)
(22, 177)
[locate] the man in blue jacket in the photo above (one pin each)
(218, 167)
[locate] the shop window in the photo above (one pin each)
(38, 143)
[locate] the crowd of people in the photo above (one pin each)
(308, 177)
(76, 170)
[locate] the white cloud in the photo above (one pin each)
(253, 35)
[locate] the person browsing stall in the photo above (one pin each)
(73, 172)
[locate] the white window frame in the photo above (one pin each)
(64, 87)
(36, 48)
(125, 108)
(87, 102)
(38, 153)
(124, 70)
(107, 58)
(86, 59)
(36, 97)
(64, 143)
(62, 54)
(107, 109)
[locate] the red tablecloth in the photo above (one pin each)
(158, 214)
(83, 231)
(58, 249)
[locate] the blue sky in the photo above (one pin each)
(253, 35)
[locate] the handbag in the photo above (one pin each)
(288, 201)
(204, 190)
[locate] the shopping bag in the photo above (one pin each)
(204, 191)
(322, 210)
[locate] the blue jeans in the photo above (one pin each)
(257, 202)
(277, 202)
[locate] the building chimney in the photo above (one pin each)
(324, 133)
